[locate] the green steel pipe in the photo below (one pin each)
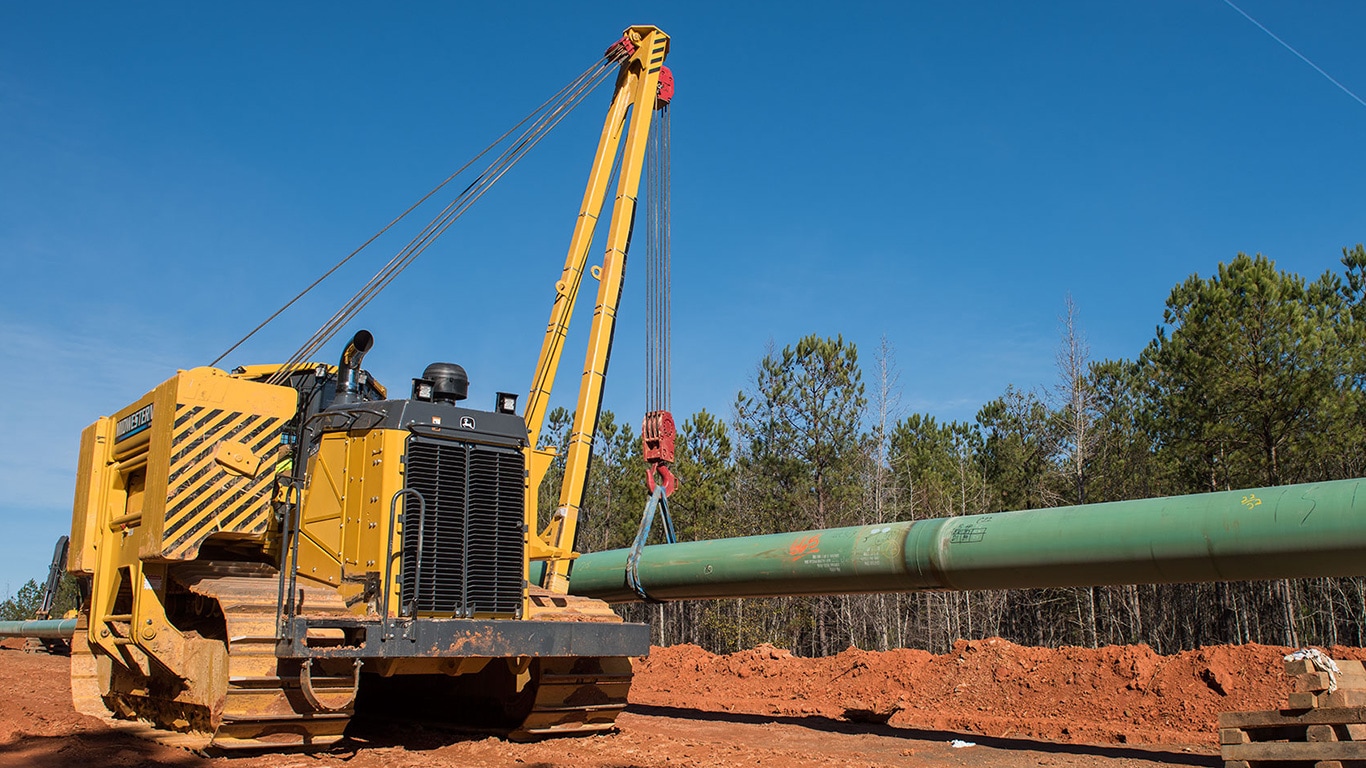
(1292, 531)
(47, 629)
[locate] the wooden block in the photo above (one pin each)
(1320, 733)
(1341, 698)
(1233, 736)
(1318, 681)
(1236, 764)
(1355, 731)
(1351, 667)
(1304, 751)
(1352, 682)
(1312, 682)
(1300, 667)
(1302, 701)
(1328, 764)
(1306, 667)
(1272, 718)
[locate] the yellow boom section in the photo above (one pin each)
(626, 130)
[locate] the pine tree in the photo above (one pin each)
(801, 426)
(1246, 372)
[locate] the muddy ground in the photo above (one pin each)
(1115, 706)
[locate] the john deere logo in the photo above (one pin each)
(467, 422)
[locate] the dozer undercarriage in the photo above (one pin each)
(242, 695)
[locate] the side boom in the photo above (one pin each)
(625, 132)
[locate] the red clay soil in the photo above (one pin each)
(1115, 706)
(1111, 695)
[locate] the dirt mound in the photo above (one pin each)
(1024, 706)
(1114, 695)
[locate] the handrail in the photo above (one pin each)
(390, 554)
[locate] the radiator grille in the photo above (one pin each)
(463, 553)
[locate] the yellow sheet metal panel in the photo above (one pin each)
(345, 537)
(323, 513)
(191, 459)
(381, 466)
(90, 483)
(208, 492)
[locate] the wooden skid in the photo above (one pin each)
(1321, 737)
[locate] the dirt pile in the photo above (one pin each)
(1111, 695)
(1023, 706)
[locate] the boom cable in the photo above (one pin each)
(658, 257)
(543, 119)
(658, 428)
(440, 224)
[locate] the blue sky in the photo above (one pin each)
(941, 174)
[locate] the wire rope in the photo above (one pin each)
(546, 117)
(443, 221)
(543, 118)
(658, 248)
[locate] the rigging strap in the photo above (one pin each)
(658, 502)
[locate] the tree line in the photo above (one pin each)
(1253, 378)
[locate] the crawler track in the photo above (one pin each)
(575, 696)
(251, 699)
(257, 701)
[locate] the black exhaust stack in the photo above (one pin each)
(348, 384)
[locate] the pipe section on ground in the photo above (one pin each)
(46, 629)
(1293, 531)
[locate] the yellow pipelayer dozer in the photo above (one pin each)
(404, 540)
(268, 551)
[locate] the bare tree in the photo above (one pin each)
(886, 409)
(1076, 399)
